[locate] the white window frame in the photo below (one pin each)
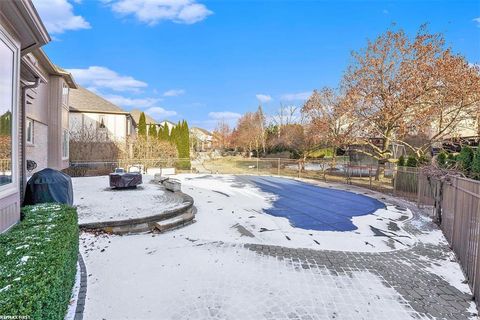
(27, 128)
(13, 187)
(65, 147)
(65, 93)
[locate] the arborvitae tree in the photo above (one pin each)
(142, 125)
(181, 138)
(152, 131)
(163, 133)
(465, 159)
(401, 161)
(476, 165)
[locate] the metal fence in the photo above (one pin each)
(375, 177)
(460, 209)
(147, 166)
(327, 170)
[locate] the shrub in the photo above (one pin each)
(401, 161)
(442, 159)
(465, 159)
(411, 161)
(38, 260)
(476, 165)
(451, 160)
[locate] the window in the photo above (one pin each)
(7, 100)
(101, 122)
(65, 91)
(29, 131)
(65, 144)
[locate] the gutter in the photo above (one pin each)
(23, 163)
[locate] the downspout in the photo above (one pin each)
(23, 163)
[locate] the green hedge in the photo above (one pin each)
(38, 260)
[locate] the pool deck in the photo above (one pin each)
(224, 267)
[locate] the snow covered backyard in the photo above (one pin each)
(239, 262)
(96, 201)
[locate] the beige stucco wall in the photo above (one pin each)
(38, 150)
(116, 124)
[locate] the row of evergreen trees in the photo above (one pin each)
(467, 161)
(178, 136)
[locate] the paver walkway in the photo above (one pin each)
(179, 276)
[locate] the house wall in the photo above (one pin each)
(169, 125)
(36, 110)
(38, 150)
(58, 124)
(115, 124)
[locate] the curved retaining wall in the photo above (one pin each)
(147, 223)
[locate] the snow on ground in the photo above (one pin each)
(72, 306)
(203, 271)
(167, 276)
(449, 270)
(97, 202)
(231, 211)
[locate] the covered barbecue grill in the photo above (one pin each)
(122, 179)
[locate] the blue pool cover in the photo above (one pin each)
(310, 207)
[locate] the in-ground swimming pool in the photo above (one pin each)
(310, 207)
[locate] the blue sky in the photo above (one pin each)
(207, 60)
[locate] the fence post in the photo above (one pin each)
(452, 237)
(370, 176)
(278, 168)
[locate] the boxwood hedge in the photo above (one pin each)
(38, 260)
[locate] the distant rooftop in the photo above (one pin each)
(83, 100)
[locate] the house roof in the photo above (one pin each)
(27, 23)
(168, 121)
(83, 100)
(208, 133)
(136, 117)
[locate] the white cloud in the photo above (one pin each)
(152, 12)
(101, 77)
(224, 115)
(58, 16)
(132, 102)
(174, 93)
(158, 112)
(296, 96)
(264, 98)
(477, 21)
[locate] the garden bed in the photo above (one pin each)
(38, 259)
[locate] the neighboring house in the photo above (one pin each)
(201, 139)
(92, 117)
(169, 124)
(21, 33)
(150, 121)
(46, 111)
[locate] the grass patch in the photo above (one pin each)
(38, 260)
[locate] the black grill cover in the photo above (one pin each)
(49, 185)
